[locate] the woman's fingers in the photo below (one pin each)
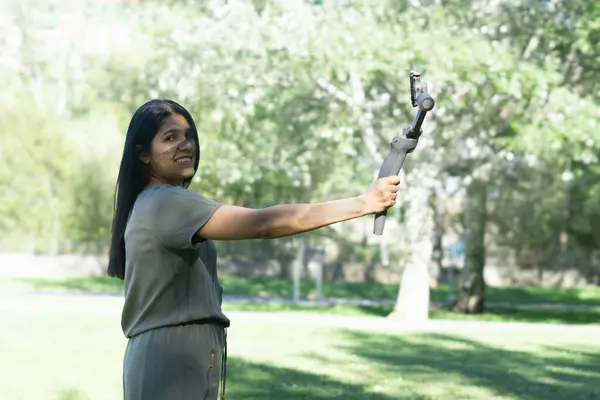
(392, 180)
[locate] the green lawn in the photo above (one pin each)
(500, 314)
(266, 287)
(57, 348)
(263, 287)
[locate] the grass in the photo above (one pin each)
(265, 287)
(273, 287)
(66, 348)
(499, 314)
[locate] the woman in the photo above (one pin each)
(162, 247)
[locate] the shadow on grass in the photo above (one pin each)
(435, 359)
(506, 314)
(531, 294)
(575, 351)
(562, 317)
(253, 381)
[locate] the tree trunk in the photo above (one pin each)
(412, 305)
(439, 201)
(471, 297)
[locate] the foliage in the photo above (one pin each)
(34, 164)
(297, 101)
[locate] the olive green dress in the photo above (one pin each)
(171, 290)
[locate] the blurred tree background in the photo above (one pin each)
(297, 101)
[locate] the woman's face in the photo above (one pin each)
(173, 152)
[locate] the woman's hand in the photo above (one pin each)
(380, 195)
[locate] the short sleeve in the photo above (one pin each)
(178, 214)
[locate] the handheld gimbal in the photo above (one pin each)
(403, 144)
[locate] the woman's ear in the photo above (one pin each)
(142, 155)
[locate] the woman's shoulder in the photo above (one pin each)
(160, 188)
(164, 195)
(162, 191)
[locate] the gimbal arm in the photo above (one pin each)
(405, 143)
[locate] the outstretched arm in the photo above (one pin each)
(233, 223)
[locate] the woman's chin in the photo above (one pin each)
(188, 173)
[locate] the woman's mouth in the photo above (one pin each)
(185, 160)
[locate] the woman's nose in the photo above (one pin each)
(186, 144)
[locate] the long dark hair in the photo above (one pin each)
(133, 177)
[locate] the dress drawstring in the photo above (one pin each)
(224, 367)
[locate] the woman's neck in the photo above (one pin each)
(153, 180)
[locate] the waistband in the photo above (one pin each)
(205, 321)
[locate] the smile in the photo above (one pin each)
(184, 160)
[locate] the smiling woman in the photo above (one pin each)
(162, 247)
(174, 152)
